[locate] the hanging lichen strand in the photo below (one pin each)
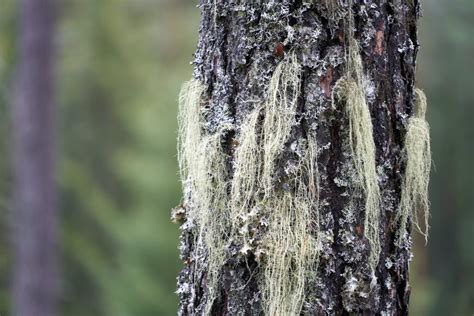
(417, 158)
(189, 134)
(280, 115)
(290, 248)
(350, 89)
(290, 251)
(287, 247)
(247, 166)
(204, 176)
(252, 231)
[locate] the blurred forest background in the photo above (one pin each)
(120, 66)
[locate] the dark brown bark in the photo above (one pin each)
(34, 217)
(238, 50)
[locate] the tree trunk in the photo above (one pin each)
(34, 159)
(240, 48)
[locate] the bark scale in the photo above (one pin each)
(240, 45)
(34, 218)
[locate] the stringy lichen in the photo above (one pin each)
(279, 112)
(417, 157)
(247, 165)
(293, 251)
(204, 173)
(189, 134)
(266, 191)
(289, 247)
(290, 250)
(351, 90)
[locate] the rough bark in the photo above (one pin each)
(34, 217)
(240, 45)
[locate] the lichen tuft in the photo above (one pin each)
(351, 90)
(204, 174)
(417, 158)
(293, 249)
(288, 243)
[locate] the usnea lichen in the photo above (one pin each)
(211, 201)
(204, 173)
(247, 165)
(279, 112)
(189, 121)
(245, 182)
(351, 90)
(289, 243)
(417, 157)
(293, 250)
(290, 249)
(265, 196)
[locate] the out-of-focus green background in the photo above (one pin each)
(120, 65)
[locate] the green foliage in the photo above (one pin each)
(119, 67)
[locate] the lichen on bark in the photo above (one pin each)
(240, 48)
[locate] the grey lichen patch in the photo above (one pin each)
(417, 157)
(356, 292)
(332, 10)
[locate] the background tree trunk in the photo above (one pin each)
(34, 160)
(239, 48)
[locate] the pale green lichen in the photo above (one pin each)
(290, 244)
(279, 112)
(292, 250)
(417, 157)
(247, 164)
(351, 90)
(204, 173)
(212, 207)
(245, 181)
(290, 241)
(189, 121)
